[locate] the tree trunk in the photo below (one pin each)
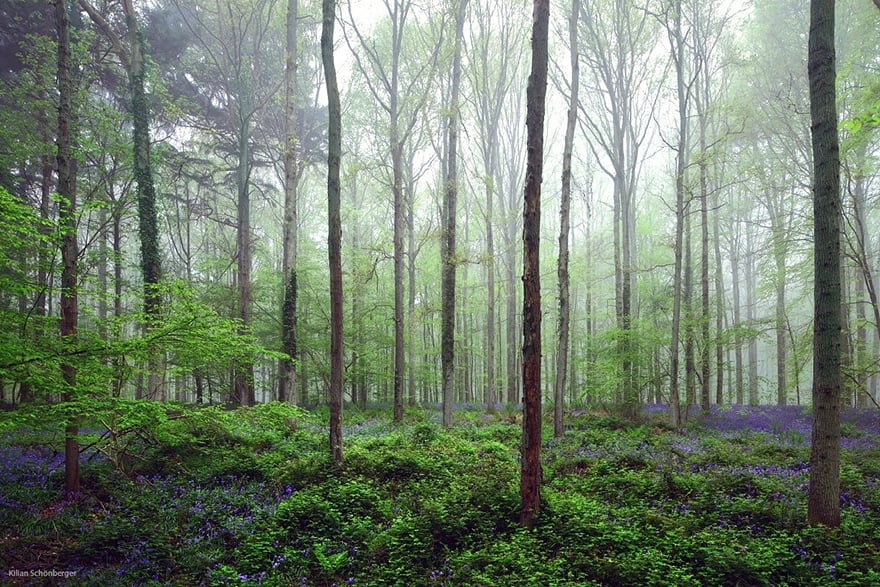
(751, 302)
(411, 292)
(681, 160)
(244, 370)
(562, 344)
(530, 474)
(690, 363)
(719, 306)
(447, 249)
(146, 194)
(397, 190)
(290, 228)
(861, 356)
(69, 247)
(704, 270)
(334, 238)
(781, 349)
(737, 317)
(823, 504)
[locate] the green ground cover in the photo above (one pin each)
(214, 497)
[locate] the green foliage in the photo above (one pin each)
(236, 497)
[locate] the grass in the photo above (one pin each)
(250, 497)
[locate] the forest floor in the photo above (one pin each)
(213, 497)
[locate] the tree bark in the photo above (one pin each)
(396, 147)
(704, 270)
(530, 474)
(334, 237)
(69, 247)
(751, 302)
(244, 370)
(739, 380)
(151, 265)
(563, 326)
(823, 503)
(287, 366)
(680, 220)
(447, 252)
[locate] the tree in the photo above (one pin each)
(823, 505)
(676, 40)
(334, 236)
(530, 473)
(562, 331)
(287, 375)
(448, 260)
(67, 220)
(134, 62)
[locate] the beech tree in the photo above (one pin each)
(823, 504)
(287, 370)
(334, 234)
(563, 327)
(448, 260)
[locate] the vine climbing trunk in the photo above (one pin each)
(287, 371)
(151, 265)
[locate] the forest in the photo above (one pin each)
(583, 291)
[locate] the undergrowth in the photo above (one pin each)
(206, 496)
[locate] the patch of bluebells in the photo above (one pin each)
(30, 478)
(816, 564)
(205, 521)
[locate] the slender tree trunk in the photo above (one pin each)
(512, 378)
(448, 253)
(398, 221)
(823, 504)
(69, 247)
(680, 219)
(411, 294)
(334, 238)
(530, 473)
(862, 357)
(846, 346)
(781, 349)
(751, 302)
(562, 344)
(290, 228)
(690, 363)
(244, 371)
(704, 271)
(491, 390)
(719, 307)
(737, 317)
